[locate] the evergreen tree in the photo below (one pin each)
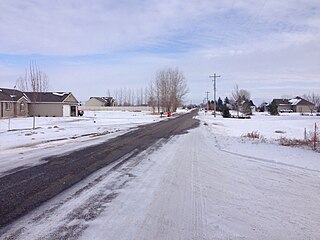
(219, 104)
(225, 111)
(273, 108)
(226, 101)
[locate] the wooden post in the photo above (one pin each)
(305, 134)
(315, 137)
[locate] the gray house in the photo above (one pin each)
(13, 103)
(296, 104)
(52, 104)
(301, 105)
(100, 102)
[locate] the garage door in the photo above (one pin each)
(66, 110)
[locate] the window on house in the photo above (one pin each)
(8, 106)
(22, 107)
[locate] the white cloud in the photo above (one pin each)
(89, 27)
(248, 42)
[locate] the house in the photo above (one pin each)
(13, 103)
(52, 104)
(296, 104)
(301, 105)
(100, 102)
(263, 107)
(283, 105)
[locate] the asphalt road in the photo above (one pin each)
(22, 191)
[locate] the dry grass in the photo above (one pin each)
(254, 135)
(299, 143)
(294, 142)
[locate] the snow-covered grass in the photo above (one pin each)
(271, 127)
(230, 134)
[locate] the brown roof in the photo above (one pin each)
(281, 101)
(7, 94)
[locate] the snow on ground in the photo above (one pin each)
(24, 146)
(229, 132)
(195, 186)
(290, 125)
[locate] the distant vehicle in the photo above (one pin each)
(286, 111)
(80, 112)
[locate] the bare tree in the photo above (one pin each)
(152, 100)
(170, 89)
(120, 96)
(108, 93)
(145, 96)
(129, 97)
(241, 100)
(34, 81)
(178, 88)
(141, 96)
(132, 97)
(116, 96)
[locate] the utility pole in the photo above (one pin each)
(214, 76)
(207, 100)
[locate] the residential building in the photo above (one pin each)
(52, 104)
(296, 104)
(100, 102)
(13, 103)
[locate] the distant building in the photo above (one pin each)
(100, 102)
(296, 104)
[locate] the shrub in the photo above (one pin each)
(225, 111)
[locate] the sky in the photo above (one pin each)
(270, 48)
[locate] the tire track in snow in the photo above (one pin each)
(257, 159)
(199, 214)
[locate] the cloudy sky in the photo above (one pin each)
(271, 48)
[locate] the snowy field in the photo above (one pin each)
(289, 125)
(207, 184)
(24, 146)
(271, 128)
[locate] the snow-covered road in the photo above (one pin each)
(187, 188)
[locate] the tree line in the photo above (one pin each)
(129, 96)
(165, 93)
